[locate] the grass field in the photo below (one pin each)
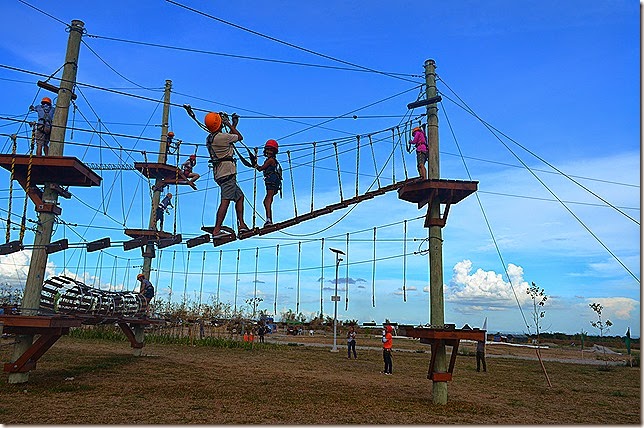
(99, 382)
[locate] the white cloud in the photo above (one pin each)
(485, 289)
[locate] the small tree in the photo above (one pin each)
(600, 324)
(539, 298)
(254, 303)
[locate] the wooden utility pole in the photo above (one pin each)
(437, 303)
(38, 264)
(139, 329)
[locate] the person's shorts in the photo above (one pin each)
(159, 213)
(273, 183)
(421, 158)
(229, 189)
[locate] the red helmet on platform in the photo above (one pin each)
(213, 121)
(140, 276)
(193, 156)
(416, 129)
(271, 144)
(170, 134)
(46, 100)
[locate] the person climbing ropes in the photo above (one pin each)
(272, 177)
(387, 344)
(221, 150)
(43, 126)
(187, 167)
(420, 142)
(146, 290)
(162, 208)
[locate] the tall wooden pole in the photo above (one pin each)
(437, 303)
(139, 330)
(38, 263)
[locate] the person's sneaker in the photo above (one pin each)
(268, 223)
(388, 374)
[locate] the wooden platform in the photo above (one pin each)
(151, 234)
(168, 174)
(51, 328)
(448, 191)
(62, 170)
(441, 336)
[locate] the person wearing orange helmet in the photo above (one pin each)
(387, 344)
(420, 142)
(221, 149)
(187, 167)
(272, 177)
(43, 127)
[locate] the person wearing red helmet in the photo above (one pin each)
(221, 151)
(43, 126)
(387, 344)
(187, 167)
(272, 177)
(422, 151)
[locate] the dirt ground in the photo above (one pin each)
(100, 382)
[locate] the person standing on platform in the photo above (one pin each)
(422, 151)
(43, 126)
(161, 209)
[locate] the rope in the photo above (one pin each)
(174, 255)
(176, 191)
(373, 156)
(337, 164)
(255, 281)
(346, 279)
(185, 279)
(405, 262)
(14, 147)
(203, 266)
(299, 258)
(236, 282)
(255, 192)
(393, 159)
(23, 221)
(277, 261)
(313, 177)
(221, 253)
(322, 282)
(373, 272)
(357, 162)
(402, 152)
(290, 168)
(158, 267)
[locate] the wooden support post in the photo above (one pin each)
(38, 263)
(436, 297)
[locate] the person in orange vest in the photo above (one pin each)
(387, 343)
(251, 337)
(246, 337)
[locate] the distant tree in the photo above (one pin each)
(539, 298)
(601, 325)
(10, 295)
(254, 303)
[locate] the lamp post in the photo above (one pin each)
(336, 298)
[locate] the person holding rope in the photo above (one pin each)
(43, 126)
(221, 149)
(146, 290)
(420, 142)
(187, 167)
(162, 208)
(272, 177)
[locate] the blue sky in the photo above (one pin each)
(560, 79)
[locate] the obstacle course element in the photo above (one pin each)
(32, 171)
(437, 336)
(61, 294)
(65, 303)
(167, 174)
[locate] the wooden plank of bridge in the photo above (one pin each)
(169, 174)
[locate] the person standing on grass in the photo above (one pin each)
(387, 344)
(480, 355)
(261, 332)
(351, 343)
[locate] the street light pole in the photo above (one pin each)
(336, 299)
